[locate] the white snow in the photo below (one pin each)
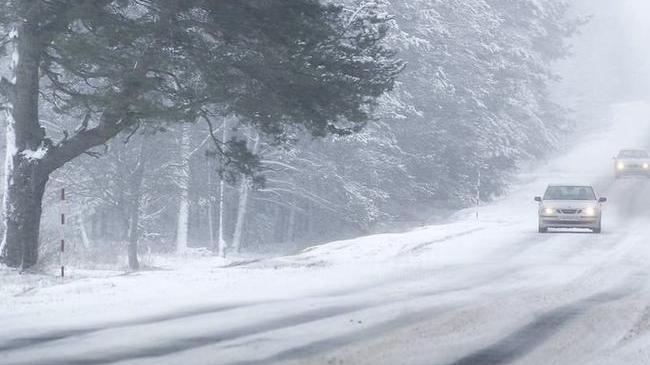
(15, 56)
(454, 293)
(11, 150)
(34, 155)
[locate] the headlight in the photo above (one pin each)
(549, 211)
(590, 211)
(620, 166)
(645, 165)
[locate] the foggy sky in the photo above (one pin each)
(611, 61)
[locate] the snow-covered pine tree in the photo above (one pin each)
(118, 64)
(475, 93)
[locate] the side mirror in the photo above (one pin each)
(538, 199)
(602, 200)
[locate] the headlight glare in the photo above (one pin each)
(590, 211)
(549, 211)
(620, 166)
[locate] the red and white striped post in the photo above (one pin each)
(62, 251)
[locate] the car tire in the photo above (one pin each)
(542, 229)
(598, 228)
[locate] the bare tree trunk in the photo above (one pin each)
(278, 226)
(85, 240)
(182, 226)
(25, 177)
(136, 197)
(310, 221)
(244, 188)
(244, 191)
(121, 215)
(211, 207)
(222, 187)
(222, 213)
(22, 201)
(103, 227)
(291, 227)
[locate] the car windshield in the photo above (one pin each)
(633, 154)
(569, 193)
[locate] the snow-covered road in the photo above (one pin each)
(462, 293)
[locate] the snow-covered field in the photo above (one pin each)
(491, 291)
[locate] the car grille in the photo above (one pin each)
(570, 223)
(570, 211)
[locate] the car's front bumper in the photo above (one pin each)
(633, 171)
(569, 222)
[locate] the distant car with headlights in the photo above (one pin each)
(632, 163)
(570, 206)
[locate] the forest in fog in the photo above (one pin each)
(311, 182)
(450, 94)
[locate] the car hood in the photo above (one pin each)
(632, 160)
(570, 204)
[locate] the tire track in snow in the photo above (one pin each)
(331, 343)
(192, 342)
(56, 335)
(528, 337)
(182, 344)
(43, 338)
(540, 329)
(639, 329)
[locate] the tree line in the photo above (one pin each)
(260, 124)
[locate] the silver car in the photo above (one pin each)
(570, 206)
(632, 163)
